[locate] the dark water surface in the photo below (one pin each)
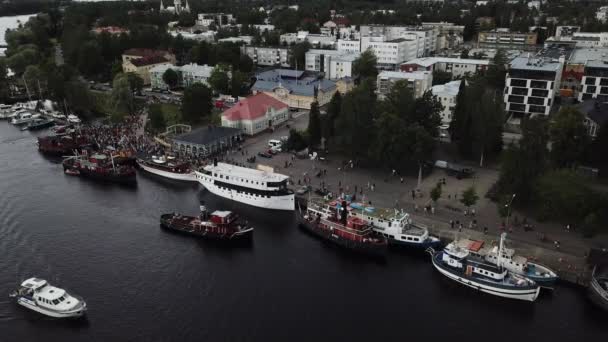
(145, 284)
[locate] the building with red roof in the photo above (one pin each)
(256, 113)
(140, 61)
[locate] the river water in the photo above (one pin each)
(146, 284)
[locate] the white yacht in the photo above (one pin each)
(38, 295)
(461, 265)
(73, 119)
(5, 111)
(24, 117)
(259, 187)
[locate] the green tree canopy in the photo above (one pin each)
(171, 78)
(497, 71)
(569, 138)
(157, 118)
(314, 125)
(136, 83)
(219, 80)
(441, 77)
(238, 84)
(196, 103)
(436, 193)
(353, 133)
(365, 65)
(298, 55)
(333, 111)
(121, 97)
(469, 197)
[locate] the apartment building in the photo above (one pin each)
(428, 35)
(218, 19)
(503, 39)
(457, 67)
(595, 81)
(267, 56)
(418, 81)
(447, 93)
(531, 85)
(390, 53)
(348, 45)
(335, 64)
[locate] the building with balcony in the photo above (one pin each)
(418, 81)
(503, 39)
(531, 86)
(267, 56)
(390, 53)
(447, 93)
(594, 83)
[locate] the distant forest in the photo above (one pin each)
(19, 7)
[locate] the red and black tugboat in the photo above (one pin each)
(220, 225)
(100, 167)
(337, 227)
(60, 145)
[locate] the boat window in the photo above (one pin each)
(227, 177)
(56, 301)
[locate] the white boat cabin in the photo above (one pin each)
(47, 296)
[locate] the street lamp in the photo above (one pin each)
(509, 209)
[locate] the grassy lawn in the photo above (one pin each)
(171, 112)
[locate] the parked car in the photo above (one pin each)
(264, 154)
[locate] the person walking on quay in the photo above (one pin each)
(451, 224)
(413, 195)
(401, 180)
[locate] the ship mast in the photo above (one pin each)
(500, 249)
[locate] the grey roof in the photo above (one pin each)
(293, 80)
(581, 56)
(595, 111)
(531, 63)
(597, 64)
(207, 135)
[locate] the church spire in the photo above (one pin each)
(162, 7)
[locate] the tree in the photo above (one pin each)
(4, 91)
(245, 63)
(219, 80)
(136, 83)
(569, 138)
(597, 155)
(25, 56)
(365, 65)
(171, 78)
(497, 71)
(522, 165)
(78, 97)
(314, 125)
(436, 193)
(298, 55)
(353, 133)
(90, 62)
(441, 77)
(460, 125)
(121, 98)
(32, 76)
(296, 141)
(469, 197)
(196, 103)
(333, 111)
(487, 121)
(157, 119)
(237, 84)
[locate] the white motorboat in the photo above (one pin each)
(38, 295)
(5, 111)
(462, 266)
(73, 119)
(24, 117)
(58, 115)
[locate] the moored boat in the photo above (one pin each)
(24, 117)
(395, 225)
(100, 167)
(38, 295)
(598, 287)
(38, 124)
(460, 265)
(338, 228)
(219, 225)
(60, 145)
(168, 167)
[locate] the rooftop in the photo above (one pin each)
(253, 107)
(428, 61)
(536, 64)
(149, 60)
(416, 75)
(595, 111)
(448, 89)
(145, 52)
(581, 56)
(602, 63)
(296, 81)
(206, 135)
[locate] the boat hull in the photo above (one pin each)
(236, 236)
(284, 202)
(597, 295)
(81, 311)
(375, 250)
(110, 178)
(543, 281)
(432, 243)
(186, 177)
(524, 293)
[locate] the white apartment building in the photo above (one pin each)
(240, 39)
(314, 39)
(447, 93)
(531, 86)
(270, 56)
(219, 19)
(187, 75)
(427, 34)
(419, 81)
(335, 64)
(390, 54)
(264, 27)
(347, 45)
(457, 67)
(595, 81)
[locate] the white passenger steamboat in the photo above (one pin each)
(260, 187)
(38, 295)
